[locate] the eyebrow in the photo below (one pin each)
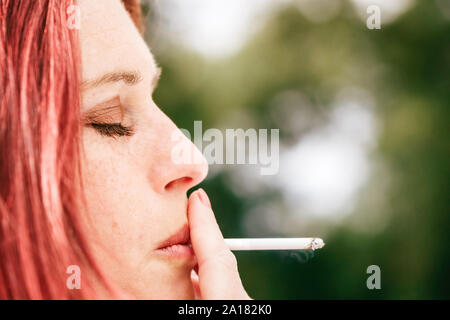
(128, 77)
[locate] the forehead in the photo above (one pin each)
(110, 41)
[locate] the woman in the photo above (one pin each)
(89, 189)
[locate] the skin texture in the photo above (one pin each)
(135, 193)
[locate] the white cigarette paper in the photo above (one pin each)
(275, 243)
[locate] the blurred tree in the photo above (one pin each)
(406, 67)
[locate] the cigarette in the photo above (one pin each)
(275, 243)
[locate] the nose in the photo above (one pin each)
(188, 166)
(180, 165)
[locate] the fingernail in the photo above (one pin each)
(203, 197)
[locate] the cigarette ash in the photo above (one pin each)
(317, 243)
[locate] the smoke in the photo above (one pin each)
(302, 256)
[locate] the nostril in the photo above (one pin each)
(180, 182)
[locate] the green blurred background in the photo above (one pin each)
(363, 118)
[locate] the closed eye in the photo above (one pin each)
(112, 129)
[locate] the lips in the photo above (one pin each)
(177, 245)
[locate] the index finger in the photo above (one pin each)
(206, 237)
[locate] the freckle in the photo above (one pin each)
(114, 225)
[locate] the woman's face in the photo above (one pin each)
(136, 194)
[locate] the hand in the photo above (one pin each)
(216, 276)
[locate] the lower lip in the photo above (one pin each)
(180, 251)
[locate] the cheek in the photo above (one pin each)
(118, 202)
(146, 148)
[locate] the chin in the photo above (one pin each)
(180, 288)
(175, 286)
(186, 293)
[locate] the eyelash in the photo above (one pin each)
(112, 129)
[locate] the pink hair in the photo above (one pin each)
(40, 227)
